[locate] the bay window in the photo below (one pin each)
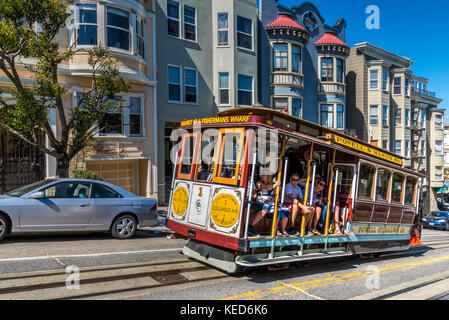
(244, 33)
(86, 24)
(296, 59)
(118, 31)
(340, 70)
(327, 115)
(296, 107)
(397, 85)
(280, 57)
(140, 43)
(340, 116)
(385, 80)
(374, 115)
(280, 104)
(374, 79)
(327, 69)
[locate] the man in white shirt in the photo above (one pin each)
(294, 199)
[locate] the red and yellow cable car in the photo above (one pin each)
(219, 161)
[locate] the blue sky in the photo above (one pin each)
(418, 30)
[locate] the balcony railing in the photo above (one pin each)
(336, 88)
(284, 78)
(424, 93)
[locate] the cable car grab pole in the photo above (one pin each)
(303, 220)
(275, 217)
(250, 193)
(329, 195)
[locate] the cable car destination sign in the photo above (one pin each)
(364, 149)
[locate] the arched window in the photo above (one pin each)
(366, 181)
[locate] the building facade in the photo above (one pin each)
(123, 152)
(303, 63)
(206, 62)
(446, 152)
(390, 107)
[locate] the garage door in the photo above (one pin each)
(120, 173)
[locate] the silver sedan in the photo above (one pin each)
(58, 205)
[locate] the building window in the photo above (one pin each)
(327, 115)
(398, 147)
(398, 118)
(140, 44)
(340, 71)
(397, 85)
(112, 122)
(223, 29)
(190, 86)
(296, 107)
(385, 80)
(135, 117)
(407, 118)
(173, 24)
(296, 59)
(423, 147)
(340, 116)
(374, 115)
(385, 116)
(223, 88)
(118, 29)
(423, 119)
(280, 104)
(407, 84)
(366, 181)
(280, 57)
(438, 147)
(86, 24)
(244, 33)
(374, 79)
(439, 121)
(327, 69)
(174, 84)
(396, 190)
(189, 23)
(245, 90)
(407, 148)
(385, 144)
(438, 173)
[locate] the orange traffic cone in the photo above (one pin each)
(415, 241)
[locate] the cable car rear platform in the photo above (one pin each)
(267, 251)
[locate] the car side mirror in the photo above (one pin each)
(37, 195)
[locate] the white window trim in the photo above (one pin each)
(184, 23)
(334, 111)
(251, 35)
(371, 115)
(171, 18)
(387, 118)
(130, 30)
(135, 20)
(301, 109)
(387, 89)
(76, 24)
(228, 88)
(141, 96)
(196, 87)
(395, 149)
(300, 57)
(395, 86)
(320, 75)
(371, 80)
(223, 30)
(180, 84)
(252, 89)
(336, 116)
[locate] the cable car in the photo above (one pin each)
(368, 206)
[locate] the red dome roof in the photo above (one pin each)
(284, 21)
(330, 39)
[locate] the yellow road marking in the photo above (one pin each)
(306, 285)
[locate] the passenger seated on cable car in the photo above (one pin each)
(336, 210)
(379, 193)
(294, 200)
(266, 193)
(318, 205)
(203, 173)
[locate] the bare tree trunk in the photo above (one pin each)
(62, 168)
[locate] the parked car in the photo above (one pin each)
(437, 220)
(58, 205)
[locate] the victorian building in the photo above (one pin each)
(302, 63)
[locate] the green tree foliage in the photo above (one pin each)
(28, 29)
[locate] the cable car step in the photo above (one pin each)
(259, 260)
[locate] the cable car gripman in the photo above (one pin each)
(355, 198)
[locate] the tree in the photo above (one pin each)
(27, 30)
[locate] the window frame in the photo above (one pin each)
(329, 71)
(223, 30)
(195, 25)
(401, 202)
(370, 198)
(174, 19)
(75, 33)
(296, 56)
(397, 86)
(228, 103)
(186, 85)
(327, 112)
(372, 80)
(390, 173)
(246, 34)
(245, 90)
(340, 73)
(188, 176)
(221, 144)
(173, 83)
(130, 30)
(337, 113)
(385, 78)
(374, 116)
(413, 202)
(282, 56)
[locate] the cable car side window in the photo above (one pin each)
(382, 185)
(187, 158)
(397, 188)
(228, 160)
(410, 187)
(366, 182)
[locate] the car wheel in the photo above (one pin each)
(3, 227)
(124, 227)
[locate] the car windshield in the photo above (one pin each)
(28, 188)
(438, 214)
